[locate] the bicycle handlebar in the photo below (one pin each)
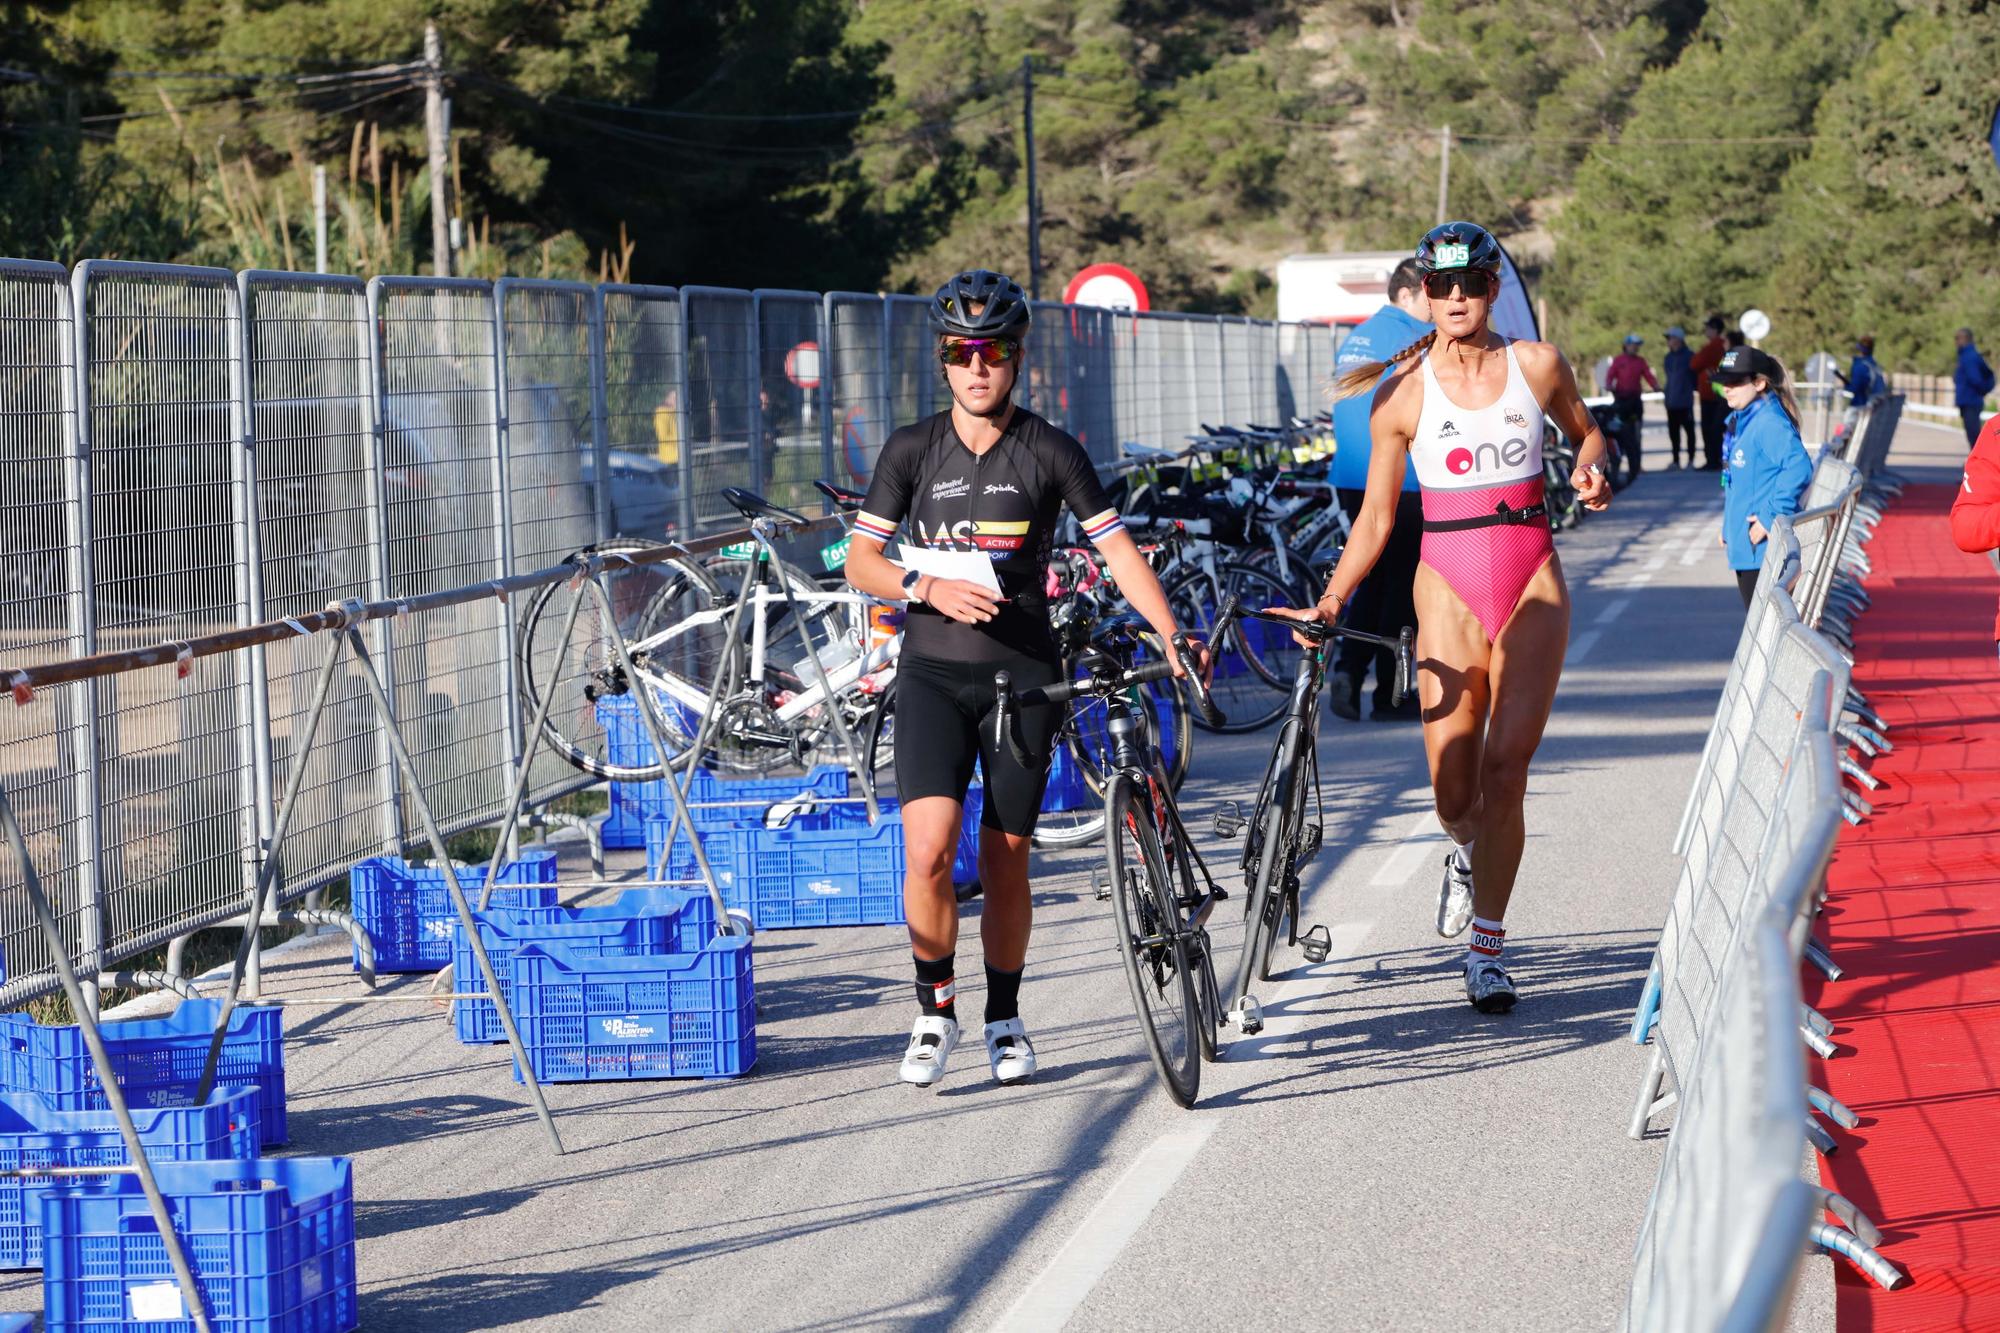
(1099, 684)
(1403, 645)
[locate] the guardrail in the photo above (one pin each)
(1729, 1218)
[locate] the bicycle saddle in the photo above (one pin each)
(752, 505)
(840, 495)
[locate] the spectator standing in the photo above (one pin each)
(1971, 381)
(1385, 601)
(1676, 368)
(1975, 513)
(1713, 410)
(1864, 380)
(1768, 466)
(1628, 371)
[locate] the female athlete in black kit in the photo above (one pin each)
(989, 477)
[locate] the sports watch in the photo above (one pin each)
(910, 582)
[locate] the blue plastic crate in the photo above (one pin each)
(849, 876)
(718, 802)
(626, 742)
(1066, 788)
(690, 1015)
(35, 1134)
(158, 1060)
(408, 913)
(271, 1242)
(639, 921)
(723, 837)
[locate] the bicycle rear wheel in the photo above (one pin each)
(1150, 941)
(1253, 668)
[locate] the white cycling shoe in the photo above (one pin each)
(1488, 988)
(1009, 1053)
(932, 1039)
(1455, 895)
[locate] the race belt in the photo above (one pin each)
(1502, 516)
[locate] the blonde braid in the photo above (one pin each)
(1363, 377)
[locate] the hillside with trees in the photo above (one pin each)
(1646, 160)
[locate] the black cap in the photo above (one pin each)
(1745, 363)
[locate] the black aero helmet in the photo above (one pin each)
(1003, 306)
(1458, 245)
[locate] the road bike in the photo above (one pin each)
(1160, 908)
(1281, 840)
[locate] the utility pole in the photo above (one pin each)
(319, 219)
(1034, 195)
(1444, 173)
(435, 131)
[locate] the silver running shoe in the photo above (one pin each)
(1487, 985)
(1455, 895)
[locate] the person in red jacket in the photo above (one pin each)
(1975, 514)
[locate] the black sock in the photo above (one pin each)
(1003, 994)
(937, 987)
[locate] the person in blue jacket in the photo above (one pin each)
(1384, 603)
(1971, 381)
(1767, 466)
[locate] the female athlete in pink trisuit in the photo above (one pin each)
(1467, 405)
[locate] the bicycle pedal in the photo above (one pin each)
(1100, 884)
(1229, 822)
(1316, 944)
(1310, 843)
(1248, 1016)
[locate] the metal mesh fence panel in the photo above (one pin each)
(1135, 408)
(724, 435)
(1048, 388)
(439, 424)
(548, 364)
(1296, 385)
(645, 412)
(46, 756)
(309, 377)
(916, 389)
(1239, 373)
(176, 797)
(1208, 365)
(1092, 388)
(857, 378)
(790, 404)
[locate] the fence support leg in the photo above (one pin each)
(268, 871)
(533, 745)
(495, 991)
(1649, 1093)
(100, 1057)
(656, 727)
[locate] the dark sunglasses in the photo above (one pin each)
(1477, 284)
(993, 351)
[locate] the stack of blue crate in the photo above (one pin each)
(407, 909)
(680, 1015)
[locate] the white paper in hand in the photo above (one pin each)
(965, 566)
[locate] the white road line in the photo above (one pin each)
(1580, 647)
(1655, 565)
(1423, 835)
(1612, 610)
(1088, 1253)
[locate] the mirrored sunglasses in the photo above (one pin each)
(993, 351)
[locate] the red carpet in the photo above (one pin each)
(1914, 918)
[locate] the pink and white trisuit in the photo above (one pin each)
(1486, 527)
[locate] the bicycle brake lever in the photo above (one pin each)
(1005, 732)
(1405, 666)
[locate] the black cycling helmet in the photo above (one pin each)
(1003, 306)
(1458, 245)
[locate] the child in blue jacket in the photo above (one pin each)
(1767, 466)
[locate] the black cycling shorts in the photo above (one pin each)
(944, 720)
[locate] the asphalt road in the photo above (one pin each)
(1381, 1157)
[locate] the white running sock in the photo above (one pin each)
(1464, 850)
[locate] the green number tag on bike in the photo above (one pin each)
(834, 556)
(739, 551)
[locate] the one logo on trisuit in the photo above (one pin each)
(1451, 256)
(951, 490)
(1447, 430)
(1487, 457)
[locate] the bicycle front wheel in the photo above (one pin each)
(1151, 943)
(1253, 665)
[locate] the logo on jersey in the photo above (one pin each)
(1448, 431)
(1002, 488)
(996, 538)
(951, 490)
(1516, 419)
(1487, 458)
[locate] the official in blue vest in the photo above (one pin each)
(1768, 469)
(1383, 604)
